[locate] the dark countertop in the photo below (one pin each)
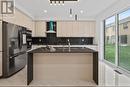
(63, 50)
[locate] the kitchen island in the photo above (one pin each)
(62, 64)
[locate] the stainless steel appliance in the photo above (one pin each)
(13, 48)
(29, 39)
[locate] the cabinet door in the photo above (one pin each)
(69, 29)
(82, 29)
(92, 31)
(76, 29)
(40, 29)
(59, 29)
(64, 29)
(88, 29)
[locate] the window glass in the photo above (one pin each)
(124, 39)
(110, 39)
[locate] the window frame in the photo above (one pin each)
(116, 65)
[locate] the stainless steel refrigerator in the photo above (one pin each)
(13, 47)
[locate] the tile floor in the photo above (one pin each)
(63, 83)
(18, 79)
(107, 77)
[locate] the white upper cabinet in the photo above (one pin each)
(76, 29)
(40, 29)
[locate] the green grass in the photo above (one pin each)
(110, 53)
(124, 55)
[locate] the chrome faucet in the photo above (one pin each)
(69, 44)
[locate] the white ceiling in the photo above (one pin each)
(91, 8)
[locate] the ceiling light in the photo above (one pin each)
(76, 17)
(70, 11)
(54, 2)
(60, 2)
(63, 3)
(45, 11)
(50, 2)
(81, 11)
(71, 15)
(63, 0)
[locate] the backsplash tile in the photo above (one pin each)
(62, 40)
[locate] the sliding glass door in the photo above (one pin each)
(124, 39)
(110, 39)
(118, 25)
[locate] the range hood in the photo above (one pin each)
(50, 31)
(51, 27)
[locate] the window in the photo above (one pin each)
(123, 44)
(125, 25)
(110, 39)
(124, 40)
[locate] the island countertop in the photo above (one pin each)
(92, 47)
(63, 50)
